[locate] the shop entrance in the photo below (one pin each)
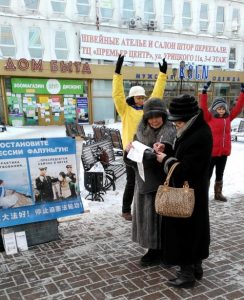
(50, 110)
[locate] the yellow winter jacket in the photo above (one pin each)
(131, 117)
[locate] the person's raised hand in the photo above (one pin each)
(163, 67)
(205, 87)
(242, 87)
(119, 64)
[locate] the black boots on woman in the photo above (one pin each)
(187, 276)
(151, 258)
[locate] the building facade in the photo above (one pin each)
(57, 57)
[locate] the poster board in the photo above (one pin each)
(31, 187)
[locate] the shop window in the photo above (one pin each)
(106, 9)
(221, 90)
(61, 49)
(168, 14)
(220, 18)
(128, 10)
(83, 7)
(7, 45)
(35, 45)
(58, 6)
(186, 15)
(149, 13)
(235, 24)
(204, 17)
(32, 4)
(102, 102)
(4, 3)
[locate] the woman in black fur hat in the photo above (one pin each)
(146, 223)
(185, 241)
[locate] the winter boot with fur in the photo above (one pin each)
(218, 191)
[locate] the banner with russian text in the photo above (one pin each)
(38, 180)
(152, 48)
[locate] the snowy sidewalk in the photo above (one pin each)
(95, 258)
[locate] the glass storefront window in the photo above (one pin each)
(53, 102)
(102, 102)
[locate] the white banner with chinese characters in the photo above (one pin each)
(151, 48)
(38, 180)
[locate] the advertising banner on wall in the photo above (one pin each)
(38, 180)
(151, 48)
(82, 110)
(46, 86)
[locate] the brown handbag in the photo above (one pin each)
(174, 202)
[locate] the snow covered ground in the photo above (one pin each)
(233, 177)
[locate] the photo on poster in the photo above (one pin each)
(15, 188)
(53, 178)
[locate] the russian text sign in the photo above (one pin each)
(151, 48)
(38, 180)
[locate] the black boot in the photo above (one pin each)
(185, 278)
(151, 258)
(198, 271)
(218, 186)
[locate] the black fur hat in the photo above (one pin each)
(154, 107)
(183, 108)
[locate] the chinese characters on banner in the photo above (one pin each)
(38, 180)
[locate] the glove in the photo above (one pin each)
(119, 64)
(205, 87)
(242, 87)
(163, 66)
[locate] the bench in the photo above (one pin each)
(74, 129)
(100, 132)
(114, 168)
(2, 128)
(116, 141)
(238, 132)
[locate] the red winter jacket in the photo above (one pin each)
(221, 127)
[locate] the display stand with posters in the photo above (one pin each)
(38, 180)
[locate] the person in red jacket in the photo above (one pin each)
(219, 119)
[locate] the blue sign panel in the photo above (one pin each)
(38, 180)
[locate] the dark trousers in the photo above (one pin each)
(219, 163)
(129, 189)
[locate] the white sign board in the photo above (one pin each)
(151, 48)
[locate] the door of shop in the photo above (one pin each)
(50, 110)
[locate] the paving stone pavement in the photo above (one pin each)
(96, 259)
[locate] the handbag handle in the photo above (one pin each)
(171, 170)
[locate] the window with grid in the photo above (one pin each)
(106, 9)
(35, 45)
(58, 6)
(186, 15)
(83, 7)
(5, 3)
(220, 18)
(149, 13)
(32, 4)
(235, 25)
(204, 17)
(232, 58)
(7, 45)
(168, 14)
(61, 49)
(128, 9)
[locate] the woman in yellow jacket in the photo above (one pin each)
(130, 110)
